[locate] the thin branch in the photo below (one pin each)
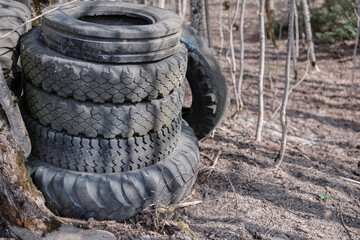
(215, 162)
(232, 62)
(221, 28)
(309, 39)
(242, 47)
(350, 180)
(355, 48)
(236, 198)
(296, 32)
(208, 30)
(290, 44)
(343, 223)
(298, 83)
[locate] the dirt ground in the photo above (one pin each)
(244, 197)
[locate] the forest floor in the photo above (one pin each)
(244, 197)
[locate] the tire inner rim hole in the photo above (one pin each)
(119, 20)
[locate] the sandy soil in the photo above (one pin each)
(244, 197)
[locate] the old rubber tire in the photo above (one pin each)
(99, 82)
(119, 196)
(12, 15)
(105, 120)
(21, 8)
(26, 3)
(126, 32)
(208, 86)
(101, 155)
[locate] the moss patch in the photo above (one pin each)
(24, 180)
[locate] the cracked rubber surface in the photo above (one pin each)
(119, 196)
(208, 86)
(85, 80)
(98, 154)
(157, 37)
(106, 120)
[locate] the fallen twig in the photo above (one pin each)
(236, 198)
(215, 162)
(210, 136)
(172, 208)
(319, 88)
(207, 156)
(270, 229)
(187, 204)
(212, 167)
(343, 223)
(350, 180)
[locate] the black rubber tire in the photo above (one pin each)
(12, 15)
(101, 155)
(17, 6)
(208, 86)
(84, 80)
(119, 196)
(105, 120)
(8, 49)
(27, 3)
(156, 38)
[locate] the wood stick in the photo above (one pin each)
(350, 180)
(260, 121)
(187, 204)
(215, 162)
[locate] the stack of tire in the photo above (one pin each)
(104, 109)
(12, 15)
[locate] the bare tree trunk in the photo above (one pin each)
(221, 28)
(290, 45)
(355, 48)
(309, 37)
(208, 27)
(177, 6)
(232, 61)
(242, 48)
(296, 32)
(184, 9)
(293, 52)
(173, 5)
(270, 12)
(161, 4)
(261, 71)
(21, 203)
(196, 18)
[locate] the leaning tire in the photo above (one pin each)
(119, 196)
(105, 120)
(21, 8)
(12, 15)
(101, 155)
(208, 86)
(99, 82)
(142, 33)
